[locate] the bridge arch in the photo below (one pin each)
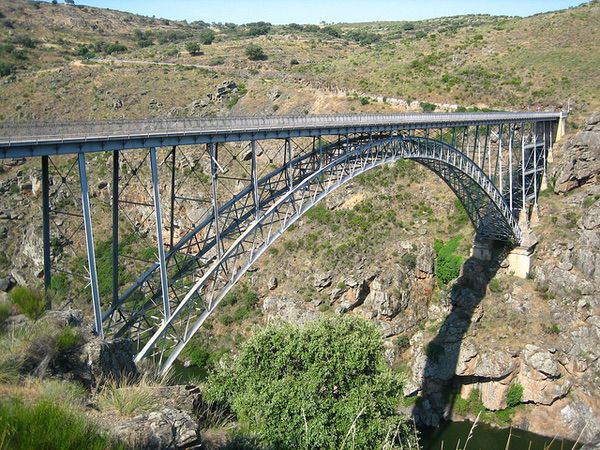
(486, 207)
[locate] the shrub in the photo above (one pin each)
(514, 396)
(193, 48)
(67, 339)
(553, 328)
(402, 342)
(294, 62)
(6, 68)
(258, 28)
(316, 386)
(495, 286)
(428, 107)
(255, 53)
(48, 425)
(115, 48)
(30, 301)
(409, 260)
(447, 263)
(216, 61)
(206, 36)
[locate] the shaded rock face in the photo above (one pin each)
(581, 158)
(109, 360)
(168, 429)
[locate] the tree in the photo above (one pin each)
(70, 2)
(207, 36)
(54, 2)
(255, 52)
(193, 48)
(324, 385)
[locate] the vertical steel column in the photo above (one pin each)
(523, 193)
(172, 212)
(289, 168)
(485, 150)
(164, 284)
(255, 196)
(511, 135)
(535, 165)
(115, 228)
(89, 240)
(476, 141)
(213, 150)
(499, 159)
(46, 226)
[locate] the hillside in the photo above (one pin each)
(368, 249)
(57, 52)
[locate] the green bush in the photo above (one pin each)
(495, 286)
(514, 396)
(255, 53)
(67, 339)
(447, 263)
(47, 425)
(206, 36)
(5, 311)
(324, 385)
(402, 342)
(193, 48)
(428, 107)
(6, 68)
(30, 301)
(409, 260)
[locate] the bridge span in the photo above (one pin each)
(192, 203)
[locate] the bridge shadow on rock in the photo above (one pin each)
(439, 364)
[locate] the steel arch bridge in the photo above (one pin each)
(233, 186)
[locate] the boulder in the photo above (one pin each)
(591, 218)
(425, 262)
(493, 394)
(581, 158)
(321, 280)
(272, 283)
(543, 391)
(168, 429)
(109, 360)
(543, 362)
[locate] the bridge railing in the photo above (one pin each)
(15, 132)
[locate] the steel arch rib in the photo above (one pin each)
(296, 200)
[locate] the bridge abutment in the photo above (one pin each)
(520, 258)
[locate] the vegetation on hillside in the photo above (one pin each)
(324, 385)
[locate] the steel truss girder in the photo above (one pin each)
(485, 205)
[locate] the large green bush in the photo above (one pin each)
(324, 385)
(447, 262)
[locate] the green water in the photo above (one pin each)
(485, 437)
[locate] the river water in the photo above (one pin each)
(485, 437)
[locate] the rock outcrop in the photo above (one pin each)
(581, 158)
(168, 429)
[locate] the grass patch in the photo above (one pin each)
(127, 399)
(31, 302)
(47, 425)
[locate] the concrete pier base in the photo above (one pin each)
(544, 183)
(519, 261)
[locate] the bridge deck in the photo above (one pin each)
(22, 140)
